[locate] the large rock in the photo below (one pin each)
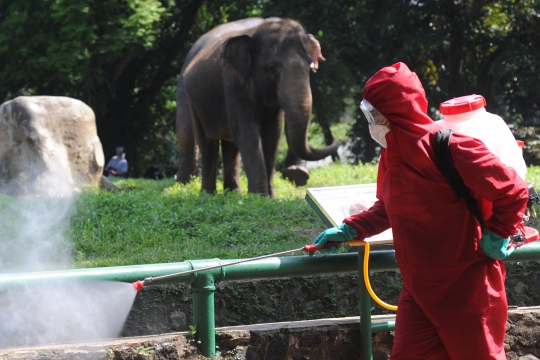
(48, 145)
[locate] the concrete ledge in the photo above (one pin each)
(306, 323)
(333, 338)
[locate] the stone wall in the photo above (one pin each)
(336, 342)
(162, 309)
(159, 309)
(332, 339)
(523, 334)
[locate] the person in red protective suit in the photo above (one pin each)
(453, 302)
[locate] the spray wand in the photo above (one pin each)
(307, 248)
(139, 285)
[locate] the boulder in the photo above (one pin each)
(48, 145)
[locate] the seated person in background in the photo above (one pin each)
(153, 172)
(118, 165)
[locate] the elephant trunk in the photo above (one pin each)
(295, 99)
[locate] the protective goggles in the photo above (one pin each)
(373, 116)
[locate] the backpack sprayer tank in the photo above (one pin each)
(467, 115)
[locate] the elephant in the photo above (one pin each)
(237, 84)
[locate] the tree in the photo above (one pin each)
(123, 57)
(456, 47)
(114, 55)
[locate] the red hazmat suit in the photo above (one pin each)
(453, 301)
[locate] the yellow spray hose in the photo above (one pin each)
(366, 274)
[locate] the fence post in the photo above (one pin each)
(365, 310)
(203, 290)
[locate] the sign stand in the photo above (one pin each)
(335, 203)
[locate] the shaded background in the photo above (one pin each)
(123, 58)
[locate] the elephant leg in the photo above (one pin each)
(270, 136)
(188, 150)
(245, 129)
(231, 166)
(253, 159)
(209, 150)
(295, 169)
(209, 158)
(249, 143)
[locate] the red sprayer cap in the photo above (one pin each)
(531, 234)
(138, 285)
(520, 143)
(462, 104)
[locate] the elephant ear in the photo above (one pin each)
(236, 56)
(314, 49)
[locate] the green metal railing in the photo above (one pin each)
(203, 283)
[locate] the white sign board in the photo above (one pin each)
(335, 203)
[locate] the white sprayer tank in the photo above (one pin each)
(467, 115)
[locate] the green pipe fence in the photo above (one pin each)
(203, 283)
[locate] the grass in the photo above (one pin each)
(161, 221)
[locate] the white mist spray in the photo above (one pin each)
(67, 311)
(33, 237)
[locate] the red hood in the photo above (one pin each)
(398, 94)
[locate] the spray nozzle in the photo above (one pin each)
(138, 285)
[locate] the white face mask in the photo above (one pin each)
(378, 133)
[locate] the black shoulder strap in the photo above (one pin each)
(449, 171)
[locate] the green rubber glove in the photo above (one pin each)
(339, 233)
(495, 246)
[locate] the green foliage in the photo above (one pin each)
(123, 57)
(533, 176)
(456, 48)
(120, 57)
(162, 221)
(60, 40)
(192, 330)
(145, 351)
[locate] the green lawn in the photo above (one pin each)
(161, 221)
